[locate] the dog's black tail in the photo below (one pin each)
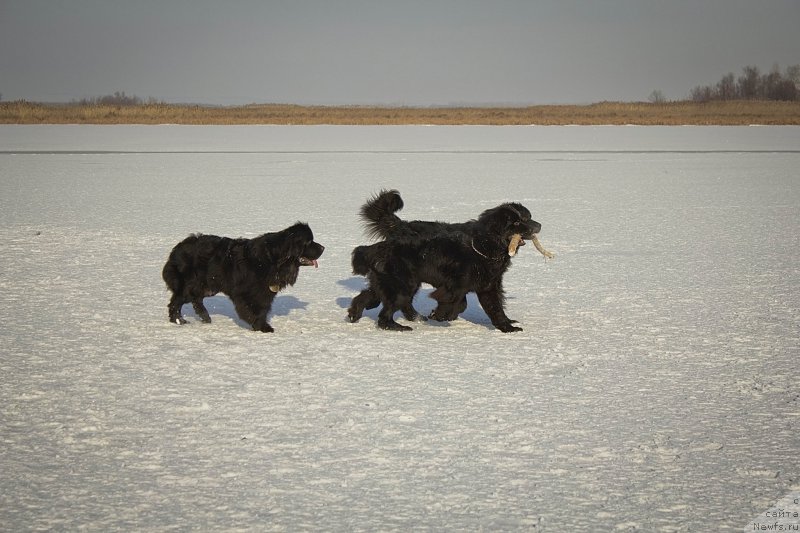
(178, 264)
(379, 216)
(172, 276)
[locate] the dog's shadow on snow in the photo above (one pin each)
(220, 305)
(423, 303)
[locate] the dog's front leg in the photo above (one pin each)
(262, 310)
(262, 325)
(254, 313)
(492, 302)
(366, 299)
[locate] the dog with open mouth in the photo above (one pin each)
(468, 258)
(381, 221)
(250, 272)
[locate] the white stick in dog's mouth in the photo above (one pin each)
(517, 241)
(538, 246)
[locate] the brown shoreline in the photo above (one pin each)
(606, 113)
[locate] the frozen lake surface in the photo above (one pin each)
(655, 386)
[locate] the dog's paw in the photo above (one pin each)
(415, 317)
(393, 326)
(442, 317)
(507, 327)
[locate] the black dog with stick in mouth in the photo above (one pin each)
(454, 258)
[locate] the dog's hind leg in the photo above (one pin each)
(449, 306)
(448, 311)
(174, 308)
(386, 320)
(395, 295)
(406, 304)
(412, 314)
(201, 310)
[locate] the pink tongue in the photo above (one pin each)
(314, 262)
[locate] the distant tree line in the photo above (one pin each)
(753, 85)
(750, 85)
(118, 99)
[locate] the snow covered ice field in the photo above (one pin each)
(654, 387)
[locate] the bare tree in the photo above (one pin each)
(793, 74)
(702, 94)
(774, 86)
(726, 88)
(657, 97)
(749, 82)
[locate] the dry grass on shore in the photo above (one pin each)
(672, 113)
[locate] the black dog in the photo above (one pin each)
(456, 263)
(381, 221)
(249, 271)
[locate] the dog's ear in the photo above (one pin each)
(500, 219)
(296, 238)
(521, 210)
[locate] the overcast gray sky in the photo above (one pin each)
(409, 52)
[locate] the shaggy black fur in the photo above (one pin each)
(455, 262)
(249, 271)
(381, 221)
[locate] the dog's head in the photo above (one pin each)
(299, 245)
(509, 219)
